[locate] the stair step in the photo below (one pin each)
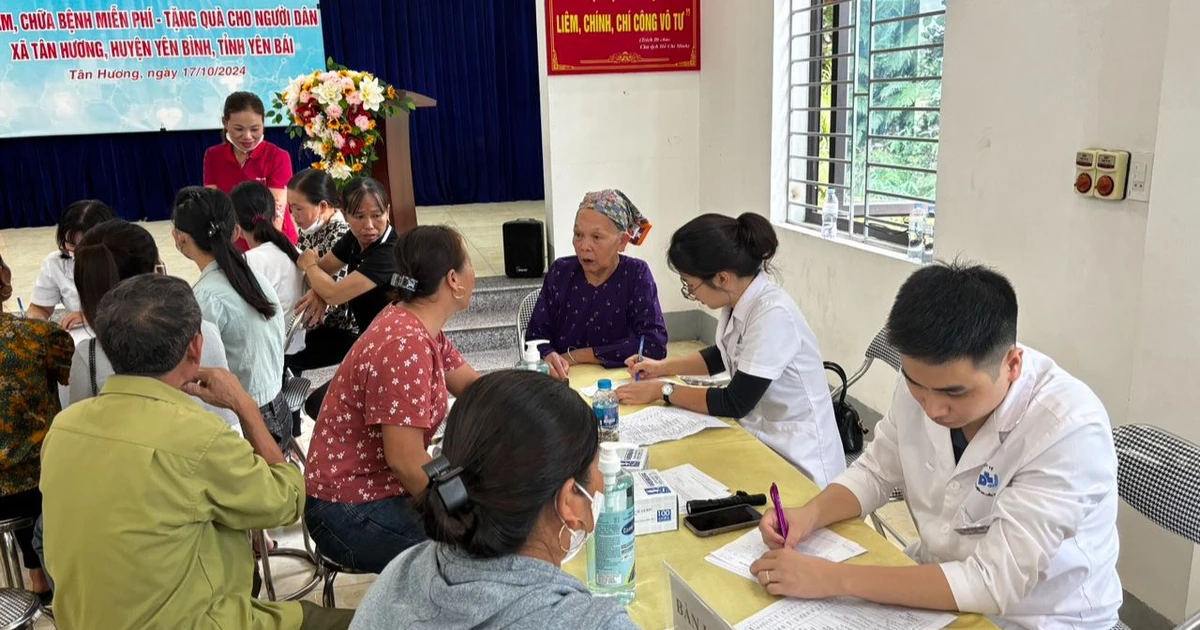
(498, 293)
(491, 360)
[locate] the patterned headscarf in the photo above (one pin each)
(617, 207)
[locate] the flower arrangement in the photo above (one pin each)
(337, 111)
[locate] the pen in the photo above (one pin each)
(21, 307)
(641, 347)
(783, 524)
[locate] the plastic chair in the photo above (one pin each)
(1158, 474)
(524, 314)
(881, 349)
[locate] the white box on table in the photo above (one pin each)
(656, 506)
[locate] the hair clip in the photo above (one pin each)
(214, 229)
(258, 218)
(406, 283)
(444, 480)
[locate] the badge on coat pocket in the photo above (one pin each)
(973, 530)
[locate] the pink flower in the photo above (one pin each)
(354, 98)
(339, 140)
(363, 123)
(334, 111)
(305, 97)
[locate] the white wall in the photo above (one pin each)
(636, 132)
(1027, 82)
(1166, 341)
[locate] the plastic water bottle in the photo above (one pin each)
(606, 407)
(610, 551)
(916, 233)
(829, 215)
(928, 257)
(531, 359)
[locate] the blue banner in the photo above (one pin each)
(74, 67)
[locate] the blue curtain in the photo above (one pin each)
(481, 144)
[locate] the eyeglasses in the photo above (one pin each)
(688, 291)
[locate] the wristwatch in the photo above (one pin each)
(667, 390)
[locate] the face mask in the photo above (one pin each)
(312, 229)
(239, 147)
(580, 537)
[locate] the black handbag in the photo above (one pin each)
(849, 425)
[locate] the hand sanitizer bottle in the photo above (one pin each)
(610, 557)
(531, 359)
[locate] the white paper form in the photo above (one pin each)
(590, 390)
(691, 484)
(664, 424)
(842, 614)
(737, 556)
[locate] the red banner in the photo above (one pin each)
(590, 37)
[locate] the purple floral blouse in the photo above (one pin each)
(611, 319)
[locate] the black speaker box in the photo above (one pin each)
(524, 249)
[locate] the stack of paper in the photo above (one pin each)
(691, 484)
(842, 614)
(737, 556)
(590, 390)
(663, 424)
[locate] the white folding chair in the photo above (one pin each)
(1158, 474)
(524, 314)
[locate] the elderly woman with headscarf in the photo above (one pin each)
(600, 306)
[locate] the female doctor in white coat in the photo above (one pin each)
(1006, 460)
(778, 389)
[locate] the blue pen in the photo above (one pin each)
(641, 347)
(21, 307)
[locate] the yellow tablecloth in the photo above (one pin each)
(740, 462)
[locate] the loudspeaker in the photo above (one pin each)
(524, 249)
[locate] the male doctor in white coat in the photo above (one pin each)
(1006, 460)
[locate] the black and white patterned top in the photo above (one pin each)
(322, 240)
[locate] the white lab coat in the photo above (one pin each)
(1025, 526)
(765, 335)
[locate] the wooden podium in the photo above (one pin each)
(393, 169)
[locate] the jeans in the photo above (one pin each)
(363, 536)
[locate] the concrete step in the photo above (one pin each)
(498, 293)
(491, 360)
(482, 331)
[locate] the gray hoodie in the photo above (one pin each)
(435, 587)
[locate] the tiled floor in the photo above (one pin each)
(25, 249)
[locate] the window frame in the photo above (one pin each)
(837, 112)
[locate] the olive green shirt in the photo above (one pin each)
(147, 499)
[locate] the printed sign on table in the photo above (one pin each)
(588, 37)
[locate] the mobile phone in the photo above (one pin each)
(723, 520)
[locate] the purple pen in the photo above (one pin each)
(783, 524)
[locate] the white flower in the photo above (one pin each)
(328, 93)
(338, 170)
(372, 93)
(315, 146)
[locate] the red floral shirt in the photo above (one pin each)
(395, 374)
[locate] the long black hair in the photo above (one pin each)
(206, 215)
(518, 437)
(109, 253)
(254, 207)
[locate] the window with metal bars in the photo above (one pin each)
(865, 90)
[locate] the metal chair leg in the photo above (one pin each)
(328, 599)
(12, 563)
(264, 556)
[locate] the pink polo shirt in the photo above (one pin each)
(268, 164)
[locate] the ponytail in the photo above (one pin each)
(254, 207)
(207, 215)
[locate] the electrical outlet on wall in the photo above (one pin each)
(1141, 167)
